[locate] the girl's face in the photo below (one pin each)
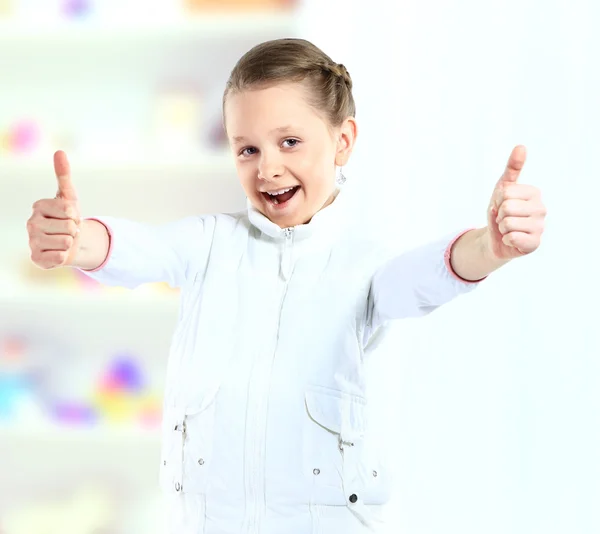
(282, 145)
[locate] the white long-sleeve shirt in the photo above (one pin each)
(266, 426)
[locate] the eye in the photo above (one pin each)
(293, 142)
(244, 151)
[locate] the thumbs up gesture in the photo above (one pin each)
(516, 213)
(54, 225)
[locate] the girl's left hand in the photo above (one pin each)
(516, 213)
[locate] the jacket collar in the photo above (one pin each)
(327, 221)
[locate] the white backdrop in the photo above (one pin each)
(492, 402)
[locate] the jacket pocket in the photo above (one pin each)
(334, 422)
(187, 451)
(339, 454)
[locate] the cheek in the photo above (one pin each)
(246, 177)
(314, 170)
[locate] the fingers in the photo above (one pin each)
(62, 169)
(515, 164)
(49, 259)
(519, 208)
(524, 242)
(517, 216)
(53, 227)
(527, 225)
(50, 250)
(53, 230)
(514, 192)
(45, 242)
(56, 209)
(42, 225)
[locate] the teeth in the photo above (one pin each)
(281, 192)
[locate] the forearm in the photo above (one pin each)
(93, 246)
(471, 256)
(124, 253)
(415, 282)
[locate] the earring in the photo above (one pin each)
(341, 179)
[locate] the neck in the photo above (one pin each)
(327, 202)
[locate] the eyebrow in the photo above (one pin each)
(281, 129)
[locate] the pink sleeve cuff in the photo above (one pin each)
(110, 245)
(449, 264)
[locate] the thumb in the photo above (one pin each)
(514, 165)
(62, 169)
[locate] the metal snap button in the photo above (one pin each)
(353, 498)
(316, 471)
(375, 473)
(201, 461)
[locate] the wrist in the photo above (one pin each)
(93, 246)
(471, 256)
(484, 241)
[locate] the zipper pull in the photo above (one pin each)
(286, 259)
(181, 427)
(342, 444)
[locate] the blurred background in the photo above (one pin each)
(491, 403)
(131, 90)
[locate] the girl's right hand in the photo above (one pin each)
(54, 226)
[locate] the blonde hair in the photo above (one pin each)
(296, 60)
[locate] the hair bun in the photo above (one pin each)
(345, 74)
(340, 71)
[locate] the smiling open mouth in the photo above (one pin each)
(282, 196)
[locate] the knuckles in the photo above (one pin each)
(65, 242)
(66, 218)
(32, 226)
(49, 259)
(67, 208)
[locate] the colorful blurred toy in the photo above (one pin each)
(74, 413)
(4, 142)
(123, 395)
(85, 282)
(12, 390)
(24, 136)
(124, 375)
(14, 383)
(150, 411)
(178, 112)
(77, 8)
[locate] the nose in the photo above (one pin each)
(270, 167)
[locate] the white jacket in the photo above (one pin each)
(266, 427)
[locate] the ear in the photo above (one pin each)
(346, 137)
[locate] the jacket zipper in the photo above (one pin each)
(286, 260)
(258, 453)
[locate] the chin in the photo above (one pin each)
(294, 212)
(295, 222)
(284, 221)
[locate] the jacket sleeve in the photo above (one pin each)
(141, 253)
(415, 283)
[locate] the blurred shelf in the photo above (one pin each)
(212, 165)
(18, 297)
(11, 434)
(201, 27)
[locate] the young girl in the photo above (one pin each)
(266, 425)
